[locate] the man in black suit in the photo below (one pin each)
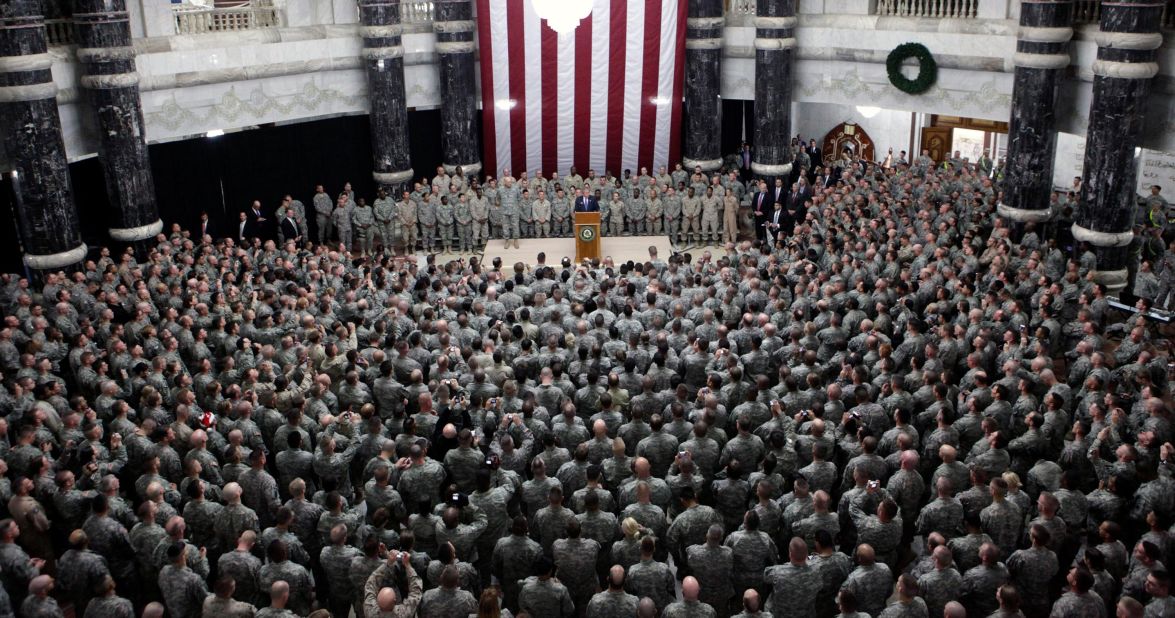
(246, 229)
(586, 202)
(761, 203)
(777, 223)
(258, 219)
(206, 228)
(288, 229)
(778, 193)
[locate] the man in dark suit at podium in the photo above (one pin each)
(586, 202)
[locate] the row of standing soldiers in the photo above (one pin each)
(456, 213)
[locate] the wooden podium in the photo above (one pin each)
(587, 236)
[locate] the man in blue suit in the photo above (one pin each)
(586, 202)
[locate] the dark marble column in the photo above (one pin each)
(1126, 63)
(383, 56)
(775, 43)
(31, 130)
(108, 60)
(703, 101)
(454, 28)
(1042, 55)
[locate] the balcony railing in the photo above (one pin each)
(59, 31)
(1089, 12)
(939, 9)
(200, 21)
(416, 12)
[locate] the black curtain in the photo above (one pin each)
(224, 174)
(736, 115)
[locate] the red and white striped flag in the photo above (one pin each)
(607, 96)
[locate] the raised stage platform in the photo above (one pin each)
(620, 248)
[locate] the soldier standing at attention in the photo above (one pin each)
(616, 214)
(729, 218)
(479, 212)
(406, 211)
(426, 213)
(508, 196)
(342, 220)
(656, 213)
(561, 214)
(691, 207)
(541, 210)
(363, 219)
(672, 204)
(385, 219)
(710, 208)
(464, 224)
(526, 213)
(638, 212)
(322, 212)
(493, 208)
(442, 180)
(445, 223)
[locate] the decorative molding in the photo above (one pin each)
(131, 234)
(259, 104)
(56, 260)
(850, 87)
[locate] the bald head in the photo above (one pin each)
(690, 589)
(797, 550)
(386, 598)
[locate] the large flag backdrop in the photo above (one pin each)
(607, 96)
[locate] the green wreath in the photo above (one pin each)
(587, 233)
(927, 68)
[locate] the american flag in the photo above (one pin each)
(606, 96)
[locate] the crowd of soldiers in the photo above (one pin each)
(459, 214)
(901, 407)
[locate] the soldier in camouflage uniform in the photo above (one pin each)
(341, 218)
(386, 220)
(691, 526)
(185, 589)
(793, 585)
(1032, 570)
(464, 220)
(479, 213)
(613, 602)
(426, 212)
(323, 208)
(713, 566)
(656, 213)
(281, 568)
(561, 215)
(80, 571)
(543, 595)
(512, 558)
(235, 518)
(509, 195)
(445, 223)
(691, 211)
(363, 220)
(637, 211)
(336, 560)
(449, 599)
(711, 212)
(526, 213)
(576, 557)
(541, 211)
(871, 582)
(651, 578)
(981, 582)
(615, 216)
(244, 568)
(941, 585)
(406, 212)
